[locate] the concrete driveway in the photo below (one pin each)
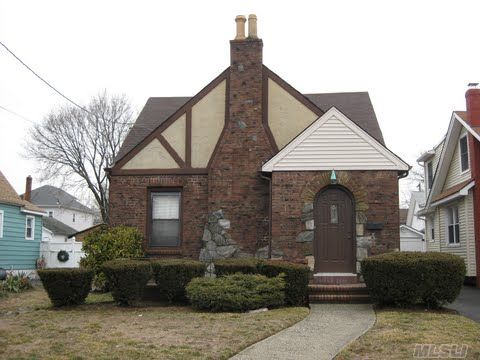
(468, 303)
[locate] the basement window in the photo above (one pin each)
(165, 218)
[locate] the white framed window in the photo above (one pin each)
(50, 214)
(431, 228)
(1, 223)
(29, 227)
(165, 217)
(73, 217)
(463, 151)
(453, 226)
(430, 174)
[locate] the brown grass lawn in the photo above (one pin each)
(31, 329)
(396, 332)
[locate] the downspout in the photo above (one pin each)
(269, 179)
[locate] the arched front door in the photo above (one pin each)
(334, 232)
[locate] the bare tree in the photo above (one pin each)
(76, 145)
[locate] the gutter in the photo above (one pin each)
(269, 179)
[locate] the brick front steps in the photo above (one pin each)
(337, 288)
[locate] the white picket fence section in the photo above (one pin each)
(49, 250)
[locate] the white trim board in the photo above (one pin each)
(333, 141)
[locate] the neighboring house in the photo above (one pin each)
(252, 167)
(80, 235)
(412, 237)
(452, 170)
(20, 230)
(56, 231)
(64, 207)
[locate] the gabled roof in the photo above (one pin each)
(457, 122)
(51, 196)
(57, 227)
(333, 141)
(412, 230)
(356, 105)
(8, 195)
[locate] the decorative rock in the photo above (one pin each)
(262, 253)
(364, 241)
(224, 223)
(257, 311)
(305, 236)
(204, 255)
(218, 214)
(220, 240)
(308, 207)
(360, 229)
(224, 252)
(310, 224)
(362, 253)
(211, 246)
(207, 235)
(277, 253)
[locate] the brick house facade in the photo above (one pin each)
(211, 176)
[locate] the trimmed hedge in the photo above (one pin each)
(66, 286)
(297, 276)
(238, 292)
(172, 275)
(127, 279)
(410, 278)
(232, 266)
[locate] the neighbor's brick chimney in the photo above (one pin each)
(473, 118)
(28, 188)
(235, 182)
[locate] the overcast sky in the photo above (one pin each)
(415, 58)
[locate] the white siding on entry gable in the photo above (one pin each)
(454, 174)
(334, 145)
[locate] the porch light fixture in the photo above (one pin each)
(333, 177)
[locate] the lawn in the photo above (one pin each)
(396, 332)
(31, 329)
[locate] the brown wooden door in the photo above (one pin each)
(334, 234)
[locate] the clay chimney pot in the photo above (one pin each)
(240, 20)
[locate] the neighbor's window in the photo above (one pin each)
(464, 154)
(50, 214)
(73, 217)
(430, 174)
(1, 223)
(165, 222)
(453, 225)
(29, 227)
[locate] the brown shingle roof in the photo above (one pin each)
(9, 196)
(451, 190)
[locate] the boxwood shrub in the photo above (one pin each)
(232, 266)
(237, 292)
(297, 277)
(66, 286)
(127, 279)
(172, 275)
(410, 278)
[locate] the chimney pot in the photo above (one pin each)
(28, 188)
(240, 20)
(252, 26)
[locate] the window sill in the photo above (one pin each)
(453, 245)
(164, 251)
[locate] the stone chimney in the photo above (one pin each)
(28, 188)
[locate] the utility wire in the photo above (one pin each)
(17, 114)
(45, 81)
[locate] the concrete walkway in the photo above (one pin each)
(327, 329)
(468, 303)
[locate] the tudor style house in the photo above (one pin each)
(252, 167)
(452, 168)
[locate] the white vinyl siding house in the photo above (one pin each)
(442, 211)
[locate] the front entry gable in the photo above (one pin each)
(334, 142)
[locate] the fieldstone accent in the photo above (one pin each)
(364, 244)
(262, 253)
(305, 236)
(310, 224)
(217, 243)
(307, 212)
(360, 229)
